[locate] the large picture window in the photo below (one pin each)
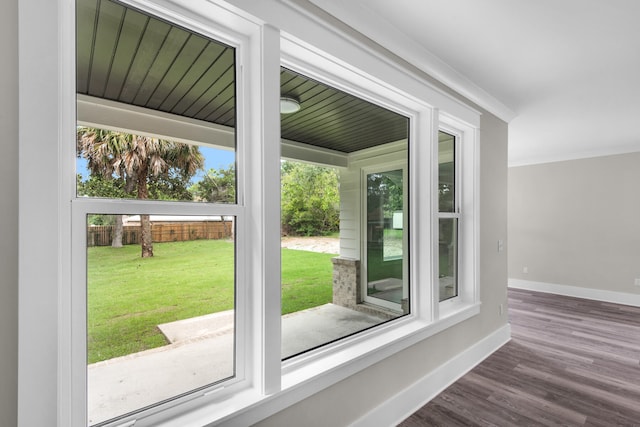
(327, 143)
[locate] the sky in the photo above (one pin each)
(213, 159)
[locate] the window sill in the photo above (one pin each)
(350, 356)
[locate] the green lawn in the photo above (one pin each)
(129, 296)
(307, 280)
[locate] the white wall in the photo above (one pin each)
(577, 223)
(9, 213)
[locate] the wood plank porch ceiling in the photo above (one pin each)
(127, 56)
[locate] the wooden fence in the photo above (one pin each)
(101, 235)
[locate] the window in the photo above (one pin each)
(327, 297)
(448, 217)
(158, 209)
(241, 206)
(456, 220)
(158, 327)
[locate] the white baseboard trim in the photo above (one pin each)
(577, 291)
(408, 401)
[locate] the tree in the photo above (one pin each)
(217, 186)
(113, 188)
(387, 188)
(99, 186)
(310, 199)
(141, 163)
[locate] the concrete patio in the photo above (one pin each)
(200, 353)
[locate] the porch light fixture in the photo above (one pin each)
(289, 104)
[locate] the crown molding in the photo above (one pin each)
(371, 25)
(531, 160)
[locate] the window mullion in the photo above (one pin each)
(262, 155)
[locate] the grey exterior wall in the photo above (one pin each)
(577, 223)
(9, 214)
(350, 399)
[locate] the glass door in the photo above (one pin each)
(386, 219)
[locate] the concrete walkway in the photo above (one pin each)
(308, 329)
(200, 353)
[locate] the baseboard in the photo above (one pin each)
(577, 291)
(405, 403)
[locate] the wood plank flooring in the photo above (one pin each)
(570, 362)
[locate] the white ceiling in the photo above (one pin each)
(564, 73)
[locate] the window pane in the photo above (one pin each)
(448, 258)
(446, 172)
(162, 324)
(385, 235)
(140, 64)
(325, 275)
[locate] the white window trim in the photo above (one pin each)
(45, 297)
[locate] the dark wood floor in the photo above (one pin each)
(570, 362)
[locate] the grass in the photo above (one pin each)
(129, 296)
(306, 280)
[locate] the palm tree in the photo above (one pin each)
(136, 159)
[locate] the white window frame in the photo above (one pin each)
(47, 307)
(455, 214)
(466, 211)
(426, 316)
(254, 362)
(311, 63)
